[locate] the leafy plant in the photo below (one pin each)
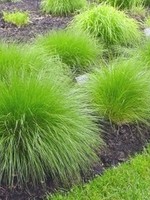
(46, 131)
(109, 25)
(62, 7)
(77, 50)
(121, 92)
(17, 18)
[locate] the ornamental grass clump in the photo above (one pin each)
(62, 7)
(125, 3)
(143, 54)
(77, 50)
(147, 3)
(111, 26)
(121, 93)
(46, 131)
(15, 58)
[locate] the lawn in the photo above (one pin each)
(129, 181)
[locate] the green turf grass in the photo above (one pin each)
(130, 181)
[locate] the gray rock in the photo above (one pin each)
(82, 79)
(147, 32)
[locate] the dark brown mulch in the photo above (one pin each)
(40, 23)
(121, 143)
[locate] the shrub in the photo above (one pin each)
(47, 132)
(125, 3)
(76, 50)
(109, 25)
(17, 18)
(62, 7)
(120, 93)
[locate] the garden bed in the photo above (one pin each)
(40, 23)
(121, 142)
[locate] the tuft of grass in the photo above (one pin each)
(142, 54)
(125, 4)
(77, 50)
(62, 7)
(138, 11)
(46, 131)
(147, 3)
(111, 26)
(14, 58)
(17, 18)
(147, 22)
(121, 92)
(129, 181)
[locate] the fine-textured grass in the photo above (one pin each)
(62, 7)
(147, 22)
(125, 3)
(142, 54)
(121, 92)
(147, 3)
(45, 131)
(139, 11)
(14, 58)
(130, 181)
(109, 25)
(77, 50)
(17, 18)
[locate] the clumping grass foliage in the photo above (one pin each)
(109, 25)
(147, 3)
(147, 22)
(120, 93)
(62, 7)
(125, 3)
(14, 58)
(45, 130)
(77, 50)
(17, 18)
(143, 54)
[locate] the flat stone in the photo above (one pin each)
(82, 79)
(147, 32)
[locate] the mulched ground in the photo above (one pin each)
(121, 142)
(40, 23)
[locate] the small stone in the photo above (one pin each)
(147, 32)
(121, 156)
(82, 79)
